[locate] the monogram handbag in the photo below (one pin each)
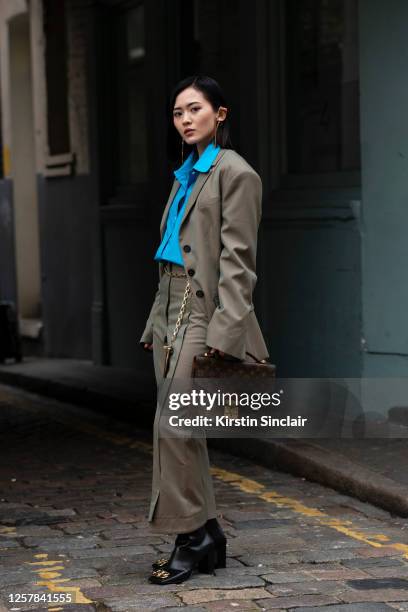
(211, 365)
(243, 374)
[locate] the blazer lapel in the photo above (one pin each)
(198, 185)
(173, 192)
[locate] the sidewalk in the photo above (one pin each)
(372, 470)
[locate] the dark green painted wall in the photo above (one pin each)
(384, 143)
(310, 280)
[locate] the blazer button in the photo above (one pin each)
(186, 248)
(191, 272)
(200, 293)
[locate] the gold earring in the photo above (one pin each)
(182, 150)
(215, 135)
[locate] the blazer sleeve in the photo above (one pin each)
(241, 202)
(147, 335)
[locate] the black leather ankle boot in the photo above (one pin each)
(196, 552)
(220, 541)
(163, 561)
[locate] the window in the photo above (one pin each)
(132, 167)
(56, 77)
(322, 102)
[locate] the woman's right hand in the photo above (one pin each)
(147, 346)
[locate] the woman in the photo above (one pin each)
(207, 258)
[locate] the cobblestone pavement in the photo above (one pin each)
(74, 491)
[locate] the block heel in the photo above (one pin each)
(212, 527)
(221, 555)
(207, 564)
(198, 552)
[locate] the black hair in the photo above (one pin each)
(211, 92)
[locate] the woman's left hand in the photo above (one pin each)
(220, 353)
(223, 355)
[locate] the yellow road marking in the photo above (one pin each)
(42, 562)
(51, 578)
(7, 531)
(345, 527)
(49, 575)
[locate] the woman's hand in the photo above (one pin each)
(147, 346)
(223, 355)
(220, 353)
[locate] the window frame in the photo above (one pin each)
(288, 180)
(63, 162)
(126, 193)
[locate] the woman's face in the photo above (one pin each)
(195, 119)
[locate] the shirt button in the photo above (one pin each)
(186, 248)
(191, 272)
(200, 293)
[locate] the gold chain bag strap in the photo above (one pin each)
(168, 348)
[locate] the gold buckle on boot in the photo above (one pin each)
(161, 573)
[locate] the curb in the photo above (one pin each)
(84, 395)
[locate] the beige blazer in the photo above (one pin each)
(218, 240)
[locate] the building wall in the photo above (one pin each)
(309, 263)
(8, 280)
(309, 256)
(8, 275)
(384, 141)
(22, 168)
(20, 273)
(65, 218)
(79, 110)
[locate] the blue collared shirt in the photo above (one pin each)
(169, 249)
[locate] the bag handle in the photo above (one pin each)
(261, 361)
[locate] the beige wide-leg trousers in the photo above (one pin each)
(182, 490)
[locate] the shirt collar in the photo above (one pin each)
(205, 160)
(183, 172)
(202, 164)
